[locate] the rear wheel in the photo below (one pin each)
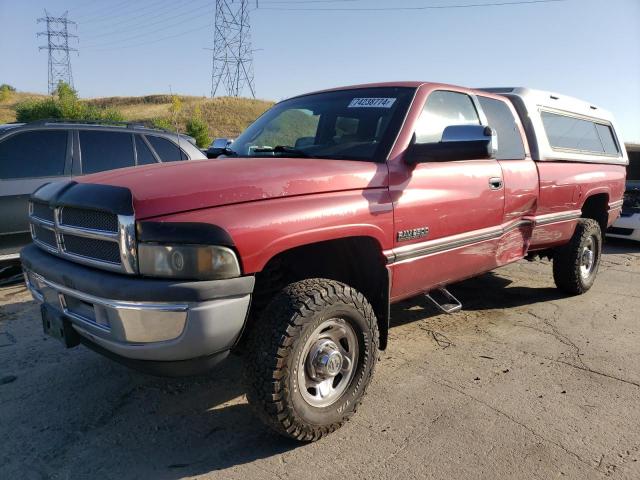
(310, 358)
(575, 264)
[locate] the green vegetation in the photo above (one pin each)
(6, 91)
(64, 104)
(197, 128)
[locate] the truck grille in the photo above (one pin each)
(91, 219)
(91, 237)
(102, 250)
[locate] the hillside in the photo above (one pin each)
(7, 113)
(225, 116)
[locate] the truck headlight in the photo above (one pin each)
(196, 262)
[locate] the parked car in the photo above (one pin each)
(628, 225)
(40, 152)
(291, 246)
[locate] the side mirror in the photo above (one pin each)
(459, 142)
(218, 147)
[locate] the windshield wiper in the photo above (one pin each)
(283, 149)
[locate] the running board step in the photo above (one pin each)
(444, 300)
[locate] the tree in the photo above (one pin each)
(5, 91)
(198, 128)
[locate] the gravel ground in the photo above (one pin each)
(523, 383)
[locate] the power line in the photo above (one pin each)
(58, 48)
(109, 22)
(97, 13)
(146, 24)
(192, 17)
(134, 45)
(424, 7)
(121, 13)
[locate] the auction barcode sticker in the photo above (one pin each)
(371, 103)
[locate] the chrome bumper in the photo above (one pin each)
(153, 331)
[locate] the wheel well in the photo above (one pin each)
(355, 261)
(596, 207)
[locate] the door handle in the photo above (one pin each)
(495, 183)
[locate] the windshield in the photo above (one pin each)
(358, 124)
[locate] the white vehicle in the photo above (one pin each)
(628, 225)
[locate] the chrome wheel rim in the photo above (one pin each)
(328, 362)
(587, 258)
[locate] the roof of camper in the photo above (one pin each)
(553, 100)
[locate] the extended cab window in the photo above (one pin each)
(166, 150)
(100, 150)
(500, 118)
(357, 124)
(442, 109)
(572, 133)
(33, 154)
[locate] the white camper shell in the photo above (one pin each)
(563, 128)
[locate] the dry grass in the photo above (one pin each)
(226, 116)
(7, 114)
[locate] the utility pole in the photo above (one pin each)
(232, 58)
(58, 47)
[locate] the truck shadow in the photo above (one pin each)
(489, 291)
(620, 245)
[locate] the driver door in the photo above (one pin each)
(447, 214)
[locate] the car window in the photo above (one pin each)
(33, 154)
(572, 133)
(442, 109)
(354, 124)
(145, 157)
(166, 150)
(606, 137)
(296, 126)
(100, 150)
(500, 118)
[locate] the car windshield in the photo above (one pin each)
(356, 124)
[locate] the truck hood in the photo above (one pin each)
(175, 187)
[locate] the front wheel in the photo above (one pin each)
(310, 358)
(575, 264)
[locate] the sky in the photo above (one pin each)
(588, 49)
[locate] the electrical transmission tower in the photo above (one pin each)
(58, 47)
(232, 59)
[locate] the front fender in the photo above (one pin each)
(260, 230)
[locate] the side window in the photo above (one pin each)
(145, 157)
(100, 150)
(444, 108)
(33, 154)
(166, 150)
(501, 119)
(608, 141)
(573, 133)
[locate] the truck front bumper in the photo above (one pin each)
(140, 321)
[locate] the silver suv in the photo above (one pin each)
(35, 153)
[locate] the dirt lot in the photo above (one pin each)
(523, 383)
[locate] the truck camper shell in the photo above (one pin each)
(563, 128)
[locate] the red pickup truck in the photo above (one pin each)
(291, 246)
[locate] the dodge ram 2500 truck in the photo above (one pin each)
(291, 246)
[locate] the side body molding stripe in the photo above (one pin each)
(431, 247)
